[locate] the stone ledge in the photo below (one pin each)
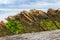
(45, 35)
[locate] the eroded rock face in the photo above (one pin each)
(33, 17)
(47, 35)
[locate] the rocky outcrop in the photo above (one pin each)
(47, 35)
(34, 17)
(35, 21)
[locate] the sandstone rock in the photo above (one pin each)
(33, 17)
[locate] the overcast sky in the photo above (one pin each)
(11, 7)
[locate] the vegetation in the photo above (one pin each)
(33, 21)
(48, 24)
(14, 26)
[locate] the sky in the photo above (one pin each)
(12, 7)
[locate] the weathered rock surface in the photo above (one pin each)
(33, 18)
(47, 35)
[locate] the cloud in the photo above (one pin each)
(28, 4)
(39, 5)
(5, 1)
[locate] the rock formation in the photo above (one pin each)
(34, 17)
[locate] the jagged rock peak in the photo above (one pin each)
(34, 16)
